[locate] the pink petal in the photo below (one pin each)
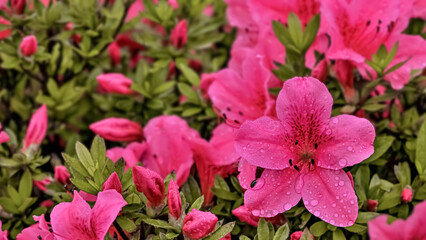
(328, 194)
(238, 13)
(273, 193)
(105, 211)
(71, 219)
(260, 143)
(247, 173)
(3, 137)
(113, 182)
(222, 142)
(304, 102)
(414, 226)
(379, 229)
(37, 128)
(351, 142)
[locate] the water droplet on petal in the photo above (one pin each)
(342, 162)
(352, 202)
(262, 150)
(298, 185)
(350, 223)
(332, 222)
(314, 203)
(288, 193)
(255, 212)
(341, 183)
(317, 213)
(335, 120)
(336, 215)
(244, 148)
(328, 131)
(287, 206)
(350, 148)
(259, 184)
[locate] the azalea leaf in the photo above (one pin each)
(197, 204)
(262, 230)
(221, 232)
(25, 185)
(282, 232)
(160, 224)
(421, 149)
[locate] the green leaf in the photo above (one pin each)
(220, 193)
(189, 74)
(76, 165)
(25, 185)
(98, 151)
(390, 199)
(84, 185)
(374, 107)
(262, 230)
(186, 90)
(84, 156)
(396, 66)
(26, 204)
(421, 149)
(403, 173)
(164, 87)
(296, 30)
(338, 235)
(8, 205)
(364, 217)
(282, 232)
(319, 228)
(159, 224)
(14, 195)
(221, 232)
(125, 223)
(381, 145)
(357, 228)
(197, 204)
(311, 31)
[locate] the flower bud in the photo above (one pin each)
(371, 205)
(173, 200)
(173, 3)
(42, 184)
(198, 224)
(179, 35)
(245, 215)
(118, 129)
(18, 6)
(298, 234)
(37, 128)
(28, 45)
(320, 71)
(46, 203)
(150, 184)
(115, 83)
(113, 182)
(61, 174)
(5, 33)
(407, 194)
(114, 53)
(3, 136)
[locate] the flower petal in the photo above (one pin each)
(273, 193)
(414, 225)
(351, 142)
(379, 229)
(247, 173)
(260, 143)
(106, 209)
(328, 194)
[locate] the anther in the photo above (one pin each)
(296, 142)
(291, 162)
(368, 23)
(297, 168)
(316, 145)
(252, 184)
(313, 161)
(224, 116)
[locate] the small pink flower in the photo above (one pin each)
(113, 182)
(132, 153)
(3, 136)
(28, 46)
(40, 230)
(168, 139)
(150, 184)
(371, 205)
(407, 194)
(179, 34)
(115, 83)
(297, 235)
(173, 200)
(62, 175)
(42, 184)
(37, 128)
(118, 129)
(3, 234)
(18, 5)
(76, 220)
(306, 150)
(412, 228)
(197, 224)
(114, 53)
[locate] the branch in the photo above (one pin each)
(120, 230)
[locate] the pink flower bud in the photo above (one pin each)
(3, 136)
(179, 35)
(42, 184)
(198, 224)
(115, 83)
(5, 33)
(320, 71)
(245, 215)
(46, 203)
(113, 182)
(298, 234)
(28, 45)
(114, 53)
(173, 3)
(118, 129)
(407, 194)
(173, 200)
(150, 184)
(18, 6)
(61, 174)
(351, 178)
(371, 205)
(37, 128)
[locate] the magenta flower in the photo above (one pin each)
(198, 224)
(3, 234)
(75, 220)
(37, 128)
(410, 229)
(42, 184)
(62, 175)
(118, 129)
(132, 153)
(179, 35)
(168, 138)
(40, 230)
(114, 53)
(303, 154)
(236, 103)
(150, 184)
(3, 136)
(113, 182)
(5, 33)
(115, 83)
(28, 46)
(407, 194)
(173, 200)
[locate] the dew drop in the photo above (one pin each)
(350, 223)
(262, 212)
(287, 206)
(288, 193)
(259, 184)
(298, 185)
(335, 120)
(332, 222)
(314, 203)
(317, 213)
(255, 212)
(352, 202)
(244, 148)
(350, 148)
(341, 183)
(336, 215)
(328, 131)
(262, 150)
(336, 178)
(342, 162)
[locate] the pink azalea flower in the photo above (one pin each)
(3, 136)
(42, 184)
(5, 33)
(168, 138)
(132, 153)
(198, 224)
(412, 228)
(61, 174)
(114, 53)
(40, 230)
(173, 200)
(115, 83)
(149, 183)
(37, 128)
(179, 35)
(303, 154)
(28, 46)
(206, 81)
(113, 182)
(419, 9)
(407, 194)
(236, 103)
(371, 205)
(75, 220)
(118, 129)
(3, 234)
(297, 235)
